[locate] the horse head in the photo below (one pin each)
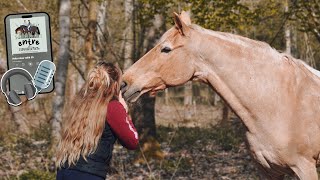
(169, 63)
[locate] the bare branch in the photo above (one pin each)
(85, 4)
(71, 60)
(22, 5)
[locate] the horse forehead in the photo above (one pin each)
(169, 35)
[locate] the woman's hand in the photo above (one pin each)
(123, 102)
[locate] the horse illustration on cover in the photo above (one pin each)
(27, 30)
(276, 96)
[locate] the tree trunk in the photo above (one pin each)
(309, 53)
(73, 75)
(143, 116)
(128, 35)
(101, 18)
(144, 110)
(62, 68)
(225, 114)
(19, 119)
(144, 113)
(16, 112)
(154, 32)
(294, 40)
(91, 39)
(188, 100)
(166, 96)
(287, 30)
(71, 87)
(216, 98)
(187, 93)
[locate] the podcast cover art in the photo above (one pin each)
(28, 35)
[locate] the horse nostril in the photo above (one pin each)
(123, 85)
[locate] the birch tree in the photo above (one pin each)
(91, 38)
(128, 34)
(101, 20)
(307, 14)
(187, 101)
(62, 68)
(287, 30)
(17, 114)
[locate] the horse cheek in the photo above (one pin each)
(177, 74)
(185, 70)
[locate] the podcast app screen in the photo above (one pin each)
(29, 39)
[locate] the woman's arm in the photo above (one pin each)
(122, 125)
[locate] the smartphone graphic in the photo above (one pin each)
(28, 42)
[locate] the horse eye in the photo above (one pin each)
(166, 50)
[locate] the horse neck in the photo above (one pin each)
(236, 71)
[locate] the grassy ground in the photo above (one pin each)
(190, 153)
(26, 157)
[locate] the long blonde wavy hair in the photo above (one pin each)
(86, 115)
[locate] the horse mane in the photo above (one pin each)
(304, 66)
(244, 41)
(240, 40)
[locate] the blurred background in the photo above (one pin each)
(186, 132)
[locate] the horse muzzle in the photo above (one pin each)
(130, 94)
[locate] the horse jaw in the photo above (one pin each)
(135, 94)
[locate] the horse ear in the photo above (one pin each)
(180, 25)
(185, 17)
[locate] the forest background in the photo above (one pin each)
(185, 132)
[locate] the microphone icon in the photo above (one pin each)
(44, 75)
(40, 81)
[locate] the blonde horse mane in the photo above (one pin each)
(243, 41)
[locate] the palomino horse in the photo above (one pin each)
(276, 96)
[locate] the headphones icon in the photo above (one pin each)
(29, 88)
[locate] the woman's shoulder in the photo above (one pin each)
(115, 111)
(114, 102)
(115, 105)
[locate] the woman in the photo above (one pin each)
(96, 118)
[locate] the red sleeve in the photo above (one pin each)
(121, 125)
